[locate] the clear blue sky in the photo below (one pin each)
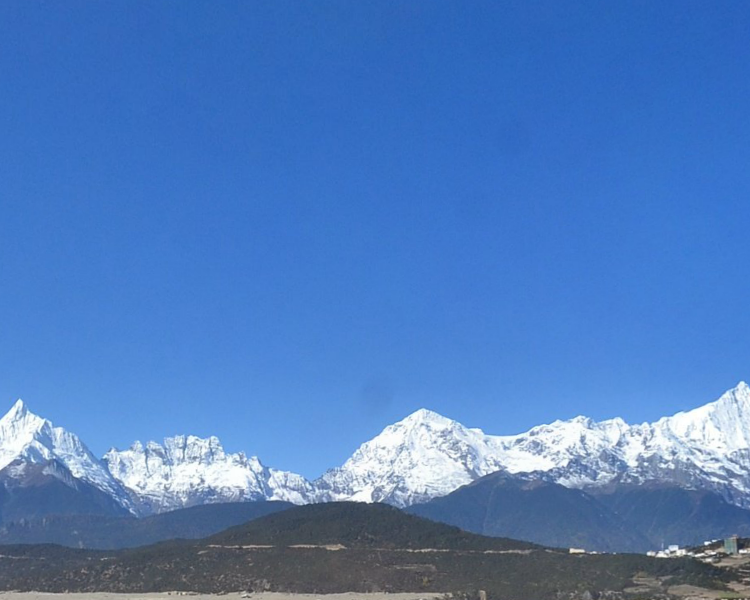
(290, 224)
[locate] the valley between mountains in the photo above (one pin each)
(602, 485)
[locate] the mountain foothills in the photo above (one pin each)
(586, 465)
(100, 532)
(354, 547)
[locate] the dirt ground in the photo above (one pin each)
(234, 596)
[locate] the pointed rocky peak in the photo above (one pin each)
(738, 396)
(212, 443)
(19, 421)
(191, 449)
(424, 416)
(420, 457)
(17, 411)
(31, 439)
(421, 428)
(723, 424)
(150, 447)
(733, 404)
(734, 399)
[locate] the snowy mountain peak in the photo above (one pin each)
(420, 457)
(29, 438)
(186, 470)
(19, 417)
(18, 429)
(427, 455)
(722, 425)
(739, 395)
(415, 459)
(17, 411)
(426, 416)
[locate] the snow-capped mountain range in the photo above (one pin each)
(427, 455)
(421, 457)
(188, 470)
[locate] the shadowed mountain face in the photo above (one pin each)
(618, 518)
(672, 515)
(530, 509)
(106, 532)
(31, 491)
(32, 448)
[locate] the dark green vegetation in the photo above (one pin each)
(103, 532)
(620, 518)
(357, 525)
(344, 547)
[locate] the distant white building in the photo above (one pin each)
(671, 551)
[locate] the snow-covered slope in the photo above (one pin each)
(26, 438)
(427, 455)
(424, 456)
(421, 457)
(188, 470)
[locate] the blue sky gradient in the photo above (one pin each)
(289, 224)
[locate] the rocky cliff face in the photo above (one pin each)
(187, 471)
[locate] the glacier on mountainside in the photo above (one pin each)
(27, 438)
(414, 460)
(427, 455)
(188, 470)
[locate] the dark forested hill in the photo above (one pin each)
(347, 547)
(358, 525)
